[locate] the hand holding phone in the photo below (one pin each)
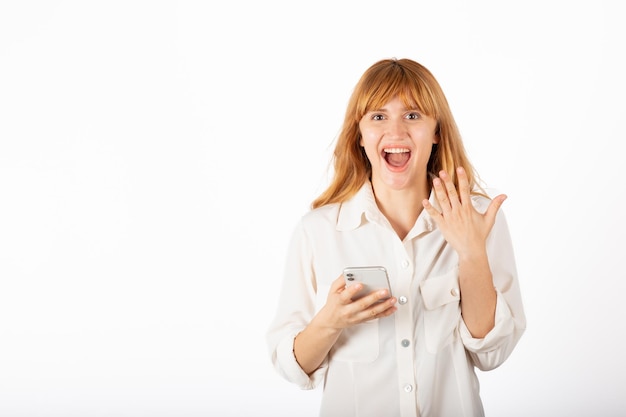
(372, 277)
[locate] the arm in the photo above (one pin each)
(466, 230)
(299, 339)
(491, 305)
(509, 321)
(313, 344)
(478, 296)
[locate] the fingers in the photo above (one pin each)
(376, 305)
(342, 311)
(446, 192)
(345, 292)
(372, 298)
(430, 209)
(494, 206)
(442, 195)
(383, 309)
(452, 195)
(338, 284)
(464, 188)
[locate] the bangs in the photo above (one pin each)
(395, 81)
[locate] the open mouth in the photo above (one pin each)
(397, 157)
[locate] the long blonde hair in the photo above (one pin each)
(417, 88)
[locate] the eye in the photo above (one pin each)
(377, 116)
(413, 116)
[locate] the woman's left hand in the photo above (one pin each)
(463, 227)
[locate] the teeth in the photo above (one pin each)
(396, 150)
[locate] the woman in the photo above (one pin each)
(404, 196)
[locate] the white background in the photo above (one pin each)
(155, 156)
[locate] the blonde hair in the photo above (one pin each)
(412, 83)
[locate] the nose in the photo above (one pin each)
(396, 129)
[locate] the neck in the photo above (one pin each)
(401, 207)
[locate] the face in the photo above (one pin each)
(398, 142)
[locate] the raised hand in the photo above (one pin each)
(463, 227)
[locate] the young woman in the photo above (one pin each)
(403, 196)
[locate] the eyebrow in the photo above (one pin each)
(383, 110)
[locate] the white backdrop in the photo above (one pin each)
(155, 156)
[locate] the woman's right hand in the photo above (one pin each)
(311, 346)
(340, 311)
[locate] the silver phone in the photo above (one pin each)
(372, 277)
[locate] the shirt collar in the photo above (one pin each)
(362, 208)
(359, 209)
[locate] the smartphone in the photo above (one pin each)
(372, 277)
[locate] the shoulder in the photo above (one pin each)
(325, 215)
(480, 201)
(481, 198)
(316, 223)
(345, 215)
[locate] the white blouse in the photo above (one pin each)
(417, 362)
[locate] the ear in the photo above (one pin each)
(436, 137)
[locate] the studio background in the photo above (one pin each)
(156, 155)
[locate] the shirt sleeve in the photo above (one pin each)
(296, 308)
(510, 321)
